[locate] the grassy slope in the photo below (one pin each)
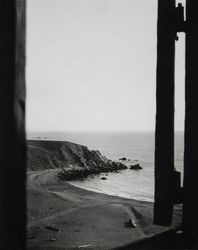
(52, 154)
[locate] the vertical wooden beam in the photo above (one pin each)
(12, 129)
(190, 207)
(164, 135)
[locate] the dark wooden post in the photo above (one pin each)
(164, 135)
(190, 207)
(12, 131)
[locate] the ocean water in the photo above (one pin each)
(136, 146)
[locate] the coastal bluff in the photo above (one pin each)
(74, 160)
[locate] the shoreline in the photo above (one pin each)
(53, 179)
(97, 191)
(68, 217)
(77, 162)
(144, 199)
(62, 215)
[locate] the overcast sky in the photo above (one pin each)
(91, 65)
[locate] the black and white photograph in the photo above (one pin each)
(99, 124)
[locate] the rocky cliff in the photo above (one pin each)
(73, 160)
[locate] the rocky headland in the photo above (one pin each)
(74, 161)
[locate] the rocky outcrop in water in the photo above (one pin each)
(135, 167)
(123, 159)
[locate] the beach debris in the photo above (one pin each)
(84, 246)
(52, 239)
(132, 222)
(179, 232)
(103, 178)
(52, 228)
(135, 167)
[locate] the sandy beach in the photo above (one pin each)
(62, 216)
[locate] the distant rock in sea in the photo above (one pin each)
(135, 167)
(123, 159)
(74, 161)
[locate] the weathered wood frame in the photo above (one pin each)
(12, 125)
(190, 205)
(164, 143)
(164, 133)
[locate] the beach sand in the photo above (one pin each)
(62, 216)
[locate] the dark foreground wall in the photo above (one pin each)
(191, 122)
(12, 131)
